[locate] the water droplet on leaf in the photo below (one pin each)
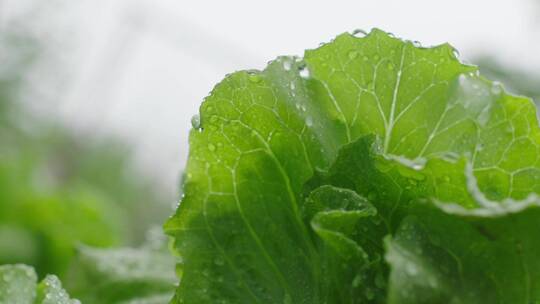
(287, 65)
(304, 72)
(496, 88)
(359, 33)
(196, 121)
(309, 121)
(254, 77)
(411, 269)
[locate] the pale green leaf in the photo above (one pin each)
(18, 285)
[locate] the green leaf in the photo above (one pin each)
(59, 189)
(50, 291)
(267, 217)
(142, 275)
(18, 285)
(441, 258)
(460, 251)
(342, 220)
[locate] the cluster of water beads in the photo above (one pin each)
(54, 293)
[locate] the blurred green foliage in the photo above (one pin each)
(145, 274)
(59, 188)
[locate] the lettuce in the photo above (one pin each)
(144, 275)
(19, 286)
(373, 170)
